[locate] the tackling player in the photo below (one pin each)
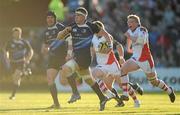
(82, 32)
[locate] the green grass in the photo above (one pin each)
(28, 103)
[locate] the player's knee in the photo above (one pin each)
(51, 75)
(50, 80)
(123, 72)
(17, 81)
(154, 82)
(153, 78)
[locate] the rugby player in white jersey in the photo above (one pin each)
(107, 64)
(137, 37)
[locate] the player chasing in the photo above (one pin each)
(19, 53)
(119, 53)
(137, 37)
(107, 64)
(58, 51)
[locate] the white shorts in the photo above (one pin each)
(109, 69)
(147, 66)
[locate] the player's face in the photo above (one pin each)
(16, 34)
(50, 20)
(79, 19)
(132, 24)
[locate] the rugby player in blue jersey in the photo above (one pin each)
(19, 53)
(82, 32)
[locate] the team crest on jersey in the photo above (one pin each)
(74, 30)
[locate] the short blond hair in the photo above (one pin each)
(17, 29)
(133, 16)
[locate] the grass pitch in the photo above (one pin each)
(28, 103)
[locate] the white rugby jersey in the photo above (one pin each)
(140, 44)
(101, 57)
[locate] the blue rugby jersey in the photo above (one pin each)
(57, 47)
(81, 38)
(51, 33)
(17, 49)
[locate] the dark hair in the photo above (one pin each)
(51, 13)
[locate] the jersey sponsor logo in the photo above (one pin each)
(85, 42)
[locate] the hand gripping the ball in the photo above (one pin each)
(64, 33)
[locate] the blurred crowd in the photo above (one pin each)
(160, 17)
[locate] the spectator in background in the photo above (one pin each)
(168, 16)
(57, 6)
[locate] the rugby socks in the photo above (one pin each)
(132, 93)
(104, 89)
(164, 87)
(53, 92)
(133, 86)
(72, 82)
(125, 81)
(97, 90)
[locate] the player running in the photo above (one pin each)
(82, 33)
(137, 37)
(107, 64)
(58, 51)
(119, 53)
(19, 52)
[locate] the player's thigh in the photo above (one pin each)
(148, 68)
(129, 66)
(98, 72)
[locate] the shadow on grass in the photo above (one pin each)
(24, 109)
